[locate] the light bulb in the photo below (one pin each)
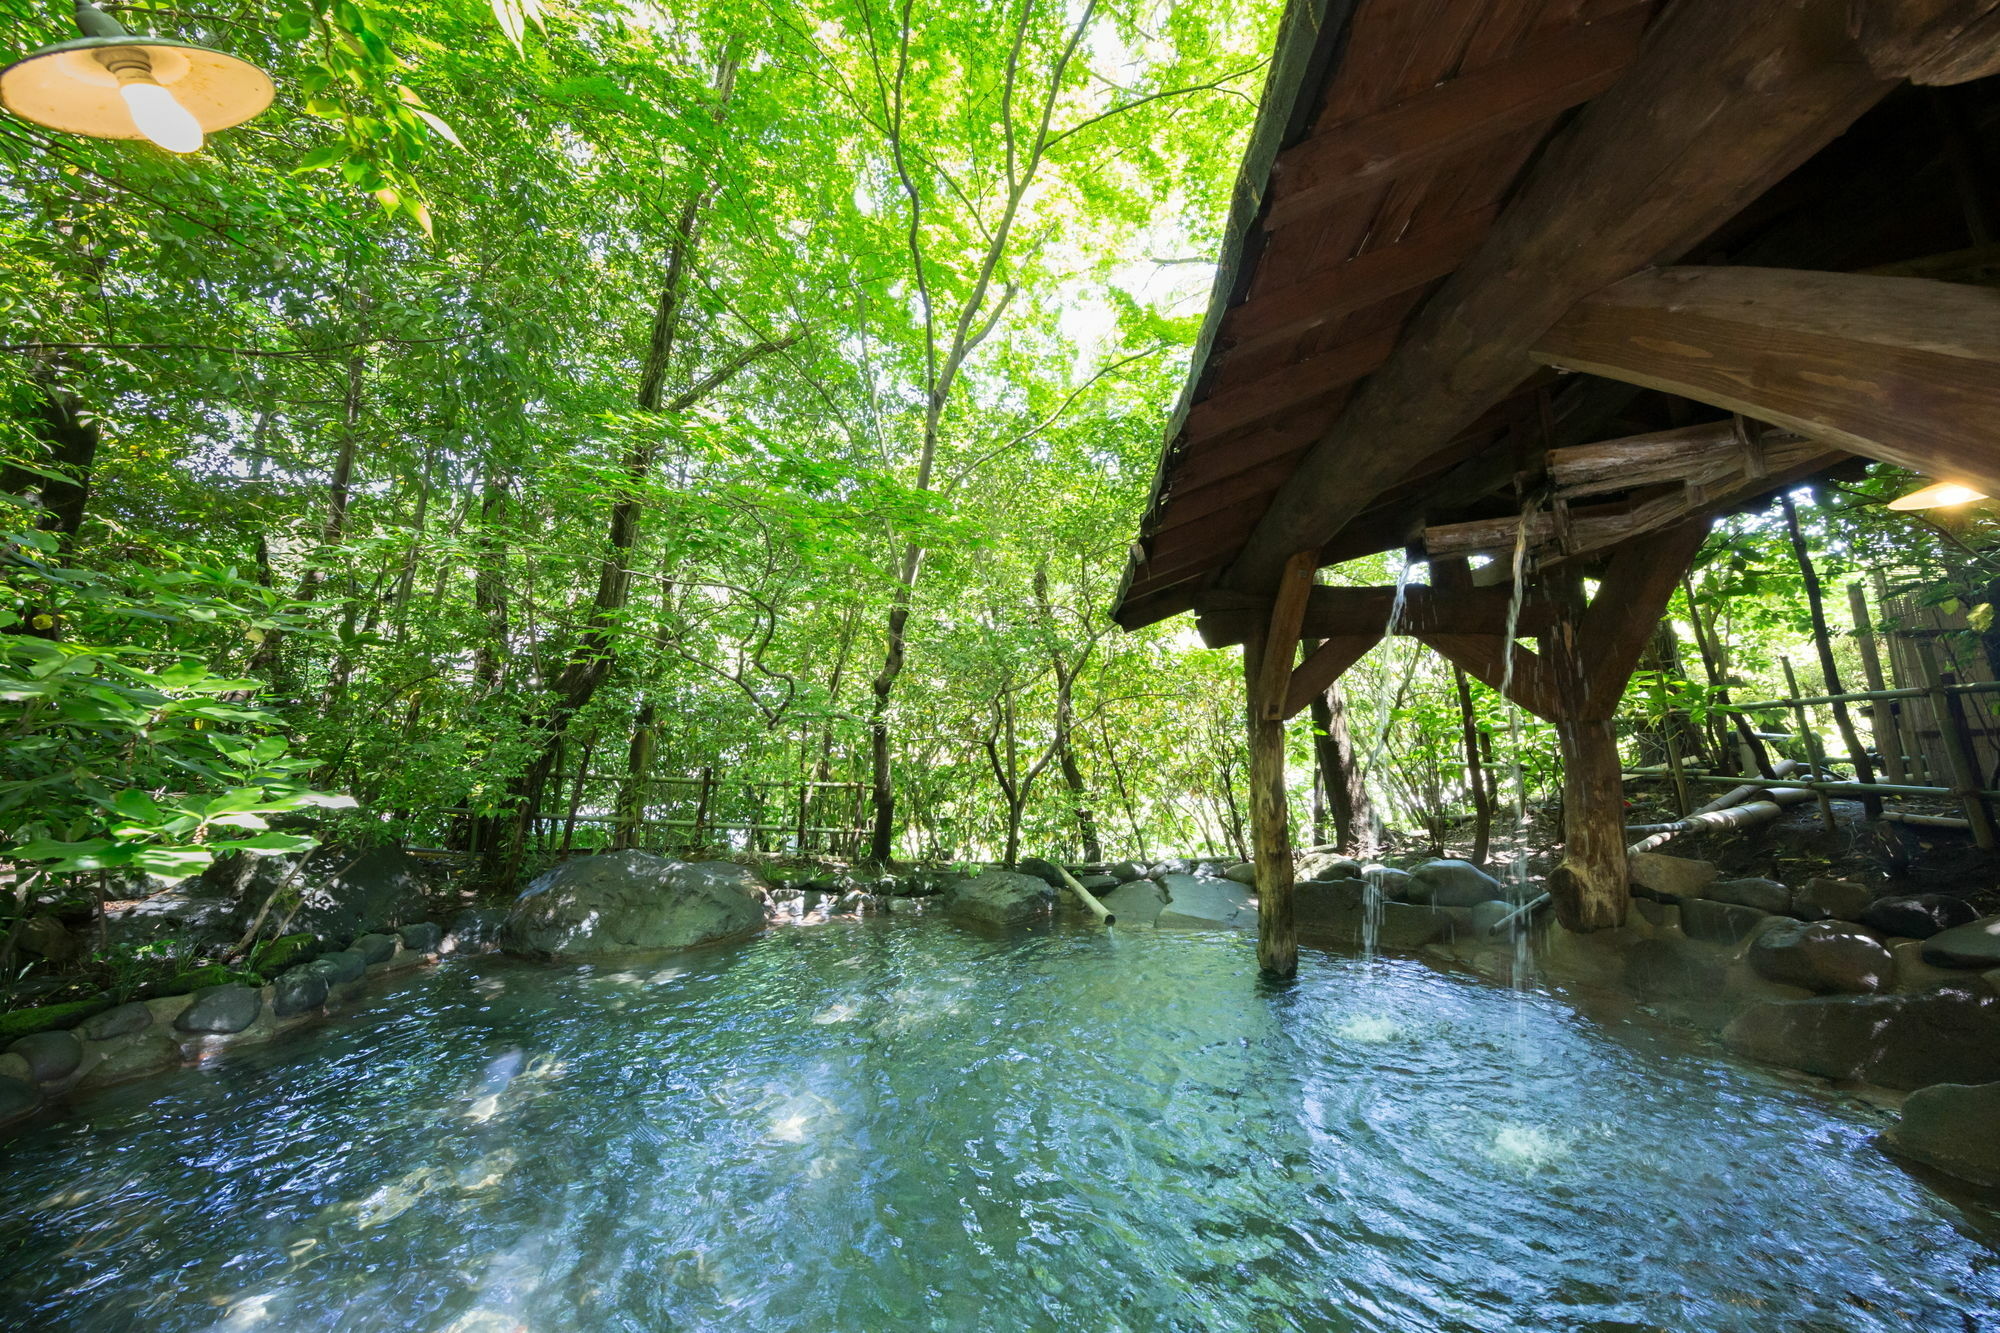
(159, 117)
(1937, 496)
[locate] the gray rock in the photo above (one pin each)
(1334, 912)
(120, 1022)
(1195, 901)
(133, 1055)
(633, 900)
(343, 892)
(1000, 898)
(1045, 871)
(1487, 916)
(1670, 878)
(1917, 916)
(1096, 883)
(1394, 883)
(1137, 903)
(298, 991)
(1766, 895)
(46, 937)
(475, 930)
(1719, 922)
(51, 1056)
(1976, 944)
(1951, 1126)
(1823, 956)
(1451, 884)
(374, 948)
(1242, 872)
(1820, 899)
(339, 967)
(17, 1099)
(1125, 871)
(1327, 866)
(422, 936)
(220, 1010)
(1898, 1041)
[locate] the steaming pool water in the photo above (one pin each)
(888, 1125)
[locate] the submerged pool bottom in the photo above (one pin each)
(891, 1125)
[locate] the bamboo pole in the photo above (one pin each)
(1957, 748)
(1813, 752)
(1736, 817)
(1097, 909)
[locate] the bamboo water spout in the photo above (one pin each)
(1097, 909)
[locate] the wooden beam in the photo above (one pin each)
(1906, 370)
(1337, 612)
(1323, 666)
(1485, 658)
(1287, 310)
(1724, 99)
(1630, 600)
(1928, 41)
(1286, 389)
(1281, 640)
(1695, 454)
(1534, 83)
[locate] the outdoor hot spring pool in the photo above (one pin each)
(887, 1125)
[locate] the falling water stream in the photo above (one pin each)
(893, 1124)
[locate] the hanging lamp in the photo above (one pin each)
(114, 84)
(1936, 496)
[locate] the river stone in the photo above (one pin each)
(1138, 903)
(1766, 895)
(1898, 1041)
(1446, 883)
(1333, 912)
(17, 1099)
(1045, 871)
(1918, 916)
(15, 1066)
(1669, 878)
(1241, 872)
(1914, 974)
(1820, 898)
(422, 937)
(1719, 922)
(51, 1056)
(1194, 901)
(298, 991)
(48, 938)
(1097, 883)
(1394, 883)
(120, 1022)
(374, 948)
(1954, 1127)
(1325, 866)
(339, 967)
(1488, 915)
(1974, 945)
(475, 930)
(1125, 871)
(633, 900)
(1000, 898)
(133, 1055)
(220, 1010)
(1823, 956)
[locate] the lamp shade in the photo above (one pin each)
(1937, 496)
(69, 86)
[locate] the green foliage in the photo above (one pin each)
(47, 1018)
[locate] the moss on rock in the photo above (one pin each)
(49, 1017)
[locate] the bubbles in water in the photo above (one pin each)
(1530, 1147)
(1370, 1028)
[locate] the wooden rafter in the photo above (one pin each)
(1286, 389)
(1281, 639)
(1227, 619)
(1323, 666)
(1526, 680)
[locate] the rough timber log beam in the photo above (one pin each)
(1323, 666)
(1522, 677)
(1901, 369)
(1281, 640)
(1232, 618)
(1270, 824)
(1725, 98)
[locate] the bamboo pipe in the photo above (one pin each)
(1737, 795)
(1097, 909)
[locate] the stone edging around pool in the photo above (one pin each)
(146, 1037)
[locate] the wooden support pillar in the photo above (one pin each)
(1589, 887)
(1270, 823)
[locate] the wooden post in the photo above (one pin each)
(1589, 888)
(805, 796)
(1882, 712)
(1288, 611)
(1810, 739)
(1277, 938)
(701, 805)
(1950, 716)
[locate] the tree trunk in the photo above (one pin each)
(1086, 820)
(882, 841)
(1346, 791)
(72, 439)
(1482, 805)
(1864, 771)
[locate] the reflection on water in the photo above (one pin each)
(880, 1126)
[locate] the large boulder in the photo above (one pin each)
(1821, 898)
(1720, 922)
(1951, 1126)
(1327, 866)
(629, 900)
(1823, 956)
(1766, 895)
(1241, 872)
(1138, 903)
(1000, 898)
(1669, 878)
(1917, 916)
(122, 1021)
(338, 968)
(475, 930)
(299, 991)
(1125, 871)
(1452, 884)
(342, 892)
(1046, 871)
(51, 1056)
(1976, 944)
(1898, 1041)
(221, 1010)
(1198, 901)
(1335, 912)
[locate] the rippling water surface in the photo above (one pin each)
(883, 1126)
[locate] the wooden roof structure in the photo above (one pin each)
(1434, 185)
(1554, 282)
